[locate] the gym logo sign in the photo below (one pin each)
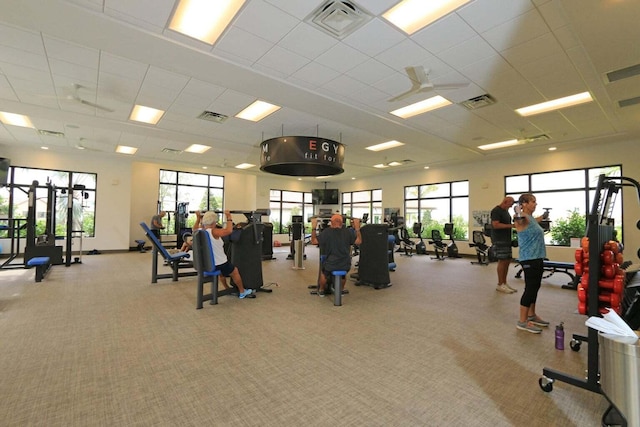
(301, 156)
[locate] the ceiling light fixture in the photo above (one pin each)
(257, 111)
(244, 166)
(555, 104)
(123, 149)
(381, 166)
(143, 114)
(502, 144)
(385, 145)
(421, 107)
(197, 148)
(16, 120)
(204, 20)
(412, 15)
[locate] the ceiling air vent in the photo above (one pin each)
(478, 102)
(338, 18)
(171, 151)
(213, 117)
(623, 73)
(629, 102)
(45, 132)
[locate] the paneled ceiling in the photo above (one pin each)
(121, 53)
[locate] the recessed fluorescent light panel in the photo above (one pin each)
(555, 104)
(257, 111)
(244, 166)
(385, 145)
(123, 149)
(16, 120)
(380, 166)
(421, 107)
(502, 144)
(197, 148)
(204, 20)
(144, 114)
(412, 15)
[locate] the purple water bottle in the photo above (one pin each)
(560, 336)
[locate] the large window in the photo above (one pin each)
(284, 204)
(568, 195)
(358, 203)
(434, 205)
(51, 201)
(188, 191)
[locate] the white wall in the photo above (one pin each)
(127, 190)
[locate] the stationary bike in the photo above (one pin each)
(452, 248)
(421, 248)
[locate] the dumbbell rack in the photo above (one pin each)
(599, 231)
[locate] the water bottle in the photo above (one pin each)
(560, 336)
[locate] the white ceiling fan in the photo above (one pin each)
(74, 96)
(420, 83)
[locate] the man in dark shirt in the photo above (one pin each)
(501, 241)
(335, 244)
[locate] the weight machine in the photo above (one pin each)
(600, 223)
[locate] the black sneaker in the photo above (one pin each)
(321, 294)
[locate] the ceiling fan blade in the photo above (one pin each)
(91, 104)
(417, 74)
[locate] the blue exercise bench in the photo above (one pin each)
(335, 286)
(175, 261)
(42, 265)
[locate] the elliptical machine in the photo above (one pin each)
(452, 248)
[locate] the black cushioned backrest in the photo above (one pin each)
(203, 259)
(436, 236)
(478, 237)
(155, 240)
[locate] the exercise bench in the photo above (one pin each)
(175, 261)
(42, 265)
(205, 265)
(556, 267)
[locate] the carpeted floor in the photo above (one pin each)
(96, 344)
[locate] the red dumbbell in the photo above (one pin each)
(615, 285)
(578, 268)
(610, 298)
(579, 255)
(619, 258)
(607, 256)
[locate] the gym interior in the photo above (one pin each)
(99, 342)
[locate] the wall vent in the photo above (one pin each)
(45, 132)
(629, 102)
(478, 102)
(338, 18)
(623, 73)
(171, 151)
(213, 117)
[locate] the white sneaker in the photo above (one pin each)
(504, 289)
(513, 290)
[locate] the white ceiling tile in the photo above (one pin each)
(307, 41)
(297, 8)
(73, 71)
(404, 54)
(384, 34)
(149, 13)
(10, 55)
(283, 60)
(444, 34)
(533, 50)
(71, 52)
(486, 14)
(166, 79)
(123, 67)
(467, 53)
(516, 31)
(265, 21)
(243, 44)
(315, 74)
(341, 58)
(24, 40)
(371, 71)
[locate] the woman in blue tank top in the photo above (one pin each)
(532, 252)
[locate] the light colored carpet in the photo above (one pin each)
(97, 344)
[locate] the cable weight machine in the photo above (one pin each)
(600, 225)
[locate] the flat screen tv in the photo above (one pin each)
(4, 171)
(326, 196)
